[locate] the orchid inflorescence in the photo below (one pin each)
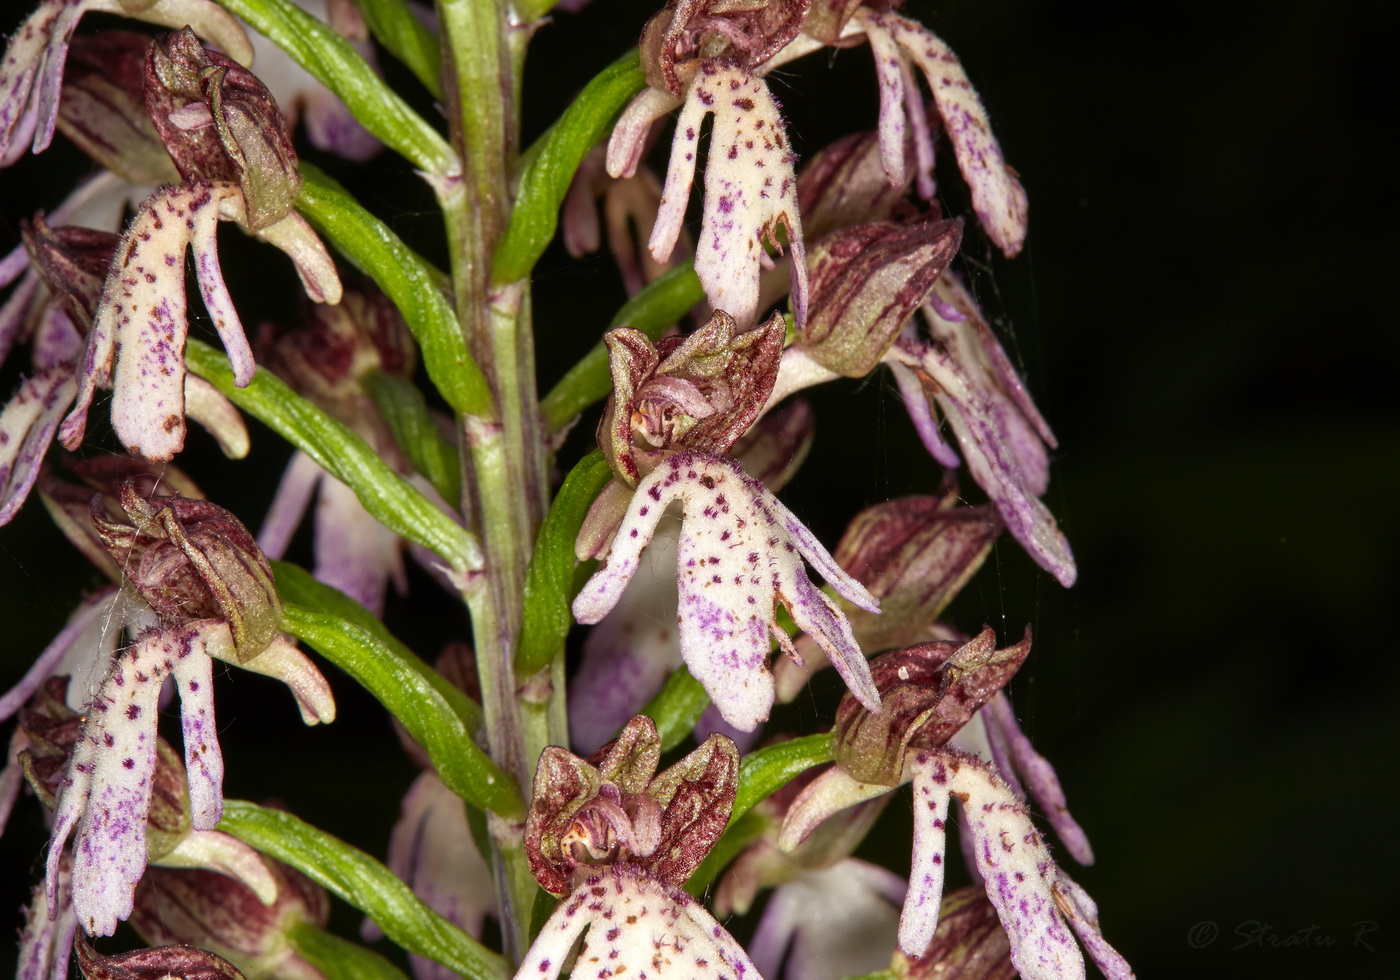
(554, 798)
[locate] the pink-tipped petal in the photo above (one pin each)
(1040, 778)
(997, 196)
(289, 504)
(629, 135)
(27, 426)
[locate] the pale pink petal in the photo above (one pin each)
(750, 189)
(19, 307)
(997, 196)
(217, 851)
(630, 653)
(204, 761)
(46, 941)
(282, 660)
(919, 919)
(300, 243)
(1083, 917)
(923, 136)
(1040, 778)
(206, 405)
(889, 71)
(916, 403)
(629, 135)
(50, 662)
(797, 370)
(431, 849)
(289, 504)
(828, 794)
(557, 938)
(354, 552)
(12, 775)
(1019, 873)
(107, 794)
(27, 426)
(833, 923)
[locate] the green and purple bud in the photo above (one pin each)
(193, 560)
(220, 123)
(221, 914)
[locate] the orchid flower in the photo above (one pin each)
(224, 134)
(617, 840)
(32, 71)
(630, 653)
(930, 692)
(199, 569)
(740, 553)
(750, 184)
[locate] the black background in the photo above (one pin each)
(1203, 313)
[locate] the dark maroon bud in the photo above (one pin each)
(914, 554)
(161, 963)
(617, 810)
(927, 693)
(700, 392)
(846, 184)
(865, 282)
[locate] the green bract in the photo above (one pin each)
(402, 687)
(386, 495)
(549, 581)
(554, 159)
(365, 883)
(406, 38)
(413, 285)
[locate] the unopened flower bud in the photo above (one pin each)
(914, 554)
(103, 108)
(222, 914)
(970, 943)
(161, 963)
(927, 693)
(700, 392)
(220, 123)
(865, 282)
(328, 360)
(192, 560)
(845, 184)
